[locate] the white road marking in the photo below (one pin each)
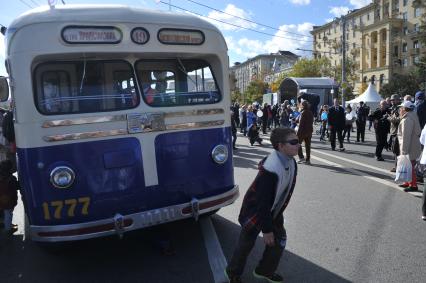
(354, 162)
(214, 251)
(365, 175)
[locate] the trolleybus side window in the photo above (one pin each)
(85, 86)
(177, 82)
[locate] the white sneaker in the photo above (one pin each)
(301, 160)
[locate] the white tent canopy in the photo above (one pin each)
(370, 95)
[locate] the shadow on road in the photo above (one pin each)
(293, 267)
(136, 258)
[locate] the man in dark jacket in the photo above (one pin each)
(304, 133)
(336, 122)
(382, 127)
(361, 119)
(263, 207)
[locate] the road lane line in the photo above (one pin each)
(354, 162)
(215, 254)
(365, 175)
(359, 173)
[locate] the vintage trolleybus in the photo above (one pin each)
(121, 119)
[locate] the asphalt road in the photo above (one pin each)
(346, 222)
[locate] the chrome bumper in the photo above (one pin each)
(120, 224)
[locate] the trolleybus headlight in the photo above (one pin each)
(220, 154)
(62, 177)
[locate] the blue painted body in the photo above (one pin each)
(111, 173)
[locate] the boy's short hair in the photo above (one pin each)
(280, 135)
(6, 167)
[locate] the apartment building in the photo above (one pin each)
(381, 38)
(263, 67)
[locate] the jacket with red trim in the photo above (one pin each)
(256, 214)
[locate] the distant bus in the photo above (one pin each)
(121, 119)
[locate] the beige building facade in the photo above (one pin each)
(382, 39)
(263, 67)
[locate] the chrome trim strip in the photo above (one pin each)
(82, 121)
(200, 112)
(193, 125)
(100, 134)
(86, 135)
(140, 220)
(123, 117)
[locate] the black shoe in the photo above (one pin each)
(232, 278)
(403, 185)
(333, 149)
(273, 278)
(380, 159)
(234, 148)
(424, 218)
(411, 189)
(342, 149)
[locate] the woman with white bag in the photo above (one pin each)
(409, 144)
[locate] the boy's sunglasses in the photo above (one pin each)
(292, 142)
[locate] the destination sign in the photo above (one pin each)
(181, 36)
(81, 34)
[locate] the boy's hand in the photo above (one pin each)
(269, 239)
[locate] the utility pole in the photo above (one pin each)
(343, 84)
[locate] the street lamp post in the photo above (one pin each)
(342, 21)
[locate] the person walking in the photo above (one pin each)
(234, 129)
(324, 123)
(304, 133)
(393, 143)
(336, 123)
(243, 120)
(381, 127)
(408, 136)
(263, 207)
(361, 119)
(349, 119)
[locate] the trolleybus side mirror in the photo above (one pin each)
(4, 89)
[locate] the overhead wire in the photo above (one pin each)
(26, 4)
(231, 24)
(244, 19)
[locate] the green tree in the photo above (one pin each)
(401, 84)
(236, 96)
(351, 77)
(255, 91)
(305, 67)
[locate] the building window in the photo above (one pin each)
(405, 30)
(417, 12)
(368, 16)
(353, 45)
(404, 47)
(405, 62)
(416, 59)
(405, 16)
(404, 3)
(353, 33)
(416, 44)
(319, 36)
(395, 50)
(416, 28)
